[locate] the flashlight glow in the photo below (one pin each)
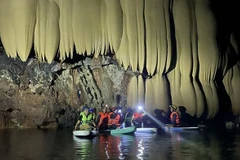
(140, 107)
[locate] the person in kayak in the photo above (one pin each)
(102, 118)
(128, 118)
(93, 113)
(174, 116)
(85, 120)
(114, 118)
(138, 117)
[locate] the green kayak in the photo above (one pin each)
(126, 130)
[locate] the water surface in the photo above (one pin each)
(33, 144)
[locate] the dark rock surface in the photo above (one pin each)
(41, 95)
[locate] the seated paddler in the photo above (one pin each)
(85, 121)
(114, 118)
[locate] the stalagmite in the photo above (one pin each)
(231, 78)
(132, 94)
(208, 54)
(140, 90)
(182, 11)
(161, 93)
(149, 95)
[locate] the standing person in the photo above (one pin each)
(102, 118)
(174, 116)
(85, 120)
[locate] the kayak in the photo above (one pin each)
(85, 133)
(126, 130)
(171, 128)
(146, 130)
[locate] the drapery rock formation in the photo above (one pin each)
(182, 52)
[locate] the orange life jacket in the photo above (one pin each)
(102, 117)
(177, 117)
(113, 121)
(137, 115)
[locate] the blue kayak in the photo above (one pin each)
(171, 128)
(146, 130)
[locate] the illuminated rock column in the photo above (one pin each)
(17, 25)
(114, 23)
(65, 25)
(208, 54)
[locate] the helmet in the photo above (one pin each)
(173, 107)
(85, 107)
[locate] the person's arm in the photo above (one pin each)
(98, 119)
(78, 122)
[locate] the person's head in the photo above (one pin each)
(92, 110)
(105, 109)
(85, 109)
(173, 107)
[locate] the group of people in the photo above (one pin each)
(115, 117)
(108, 118)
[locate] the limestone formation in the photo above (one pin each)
(178, 51)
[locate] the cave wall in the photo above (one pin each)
(42, 95)
(182, 52)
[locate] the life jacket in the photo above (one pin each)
(177, 117)
(114, 120)
(102, 117)
(128, 117)
(86, 119)
(137, 115)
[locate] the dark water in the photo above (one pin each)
(33, 144)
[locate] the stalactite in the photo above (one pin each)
(17, 33)
(207, 54)
(114, 23)
(65, 25)
(6, 30)
(87, 26)
(151, 18)
(123, 54)
(134, 31)
(47, 35)
(104, 41)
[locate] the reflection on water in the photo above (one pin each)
(31, 144)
